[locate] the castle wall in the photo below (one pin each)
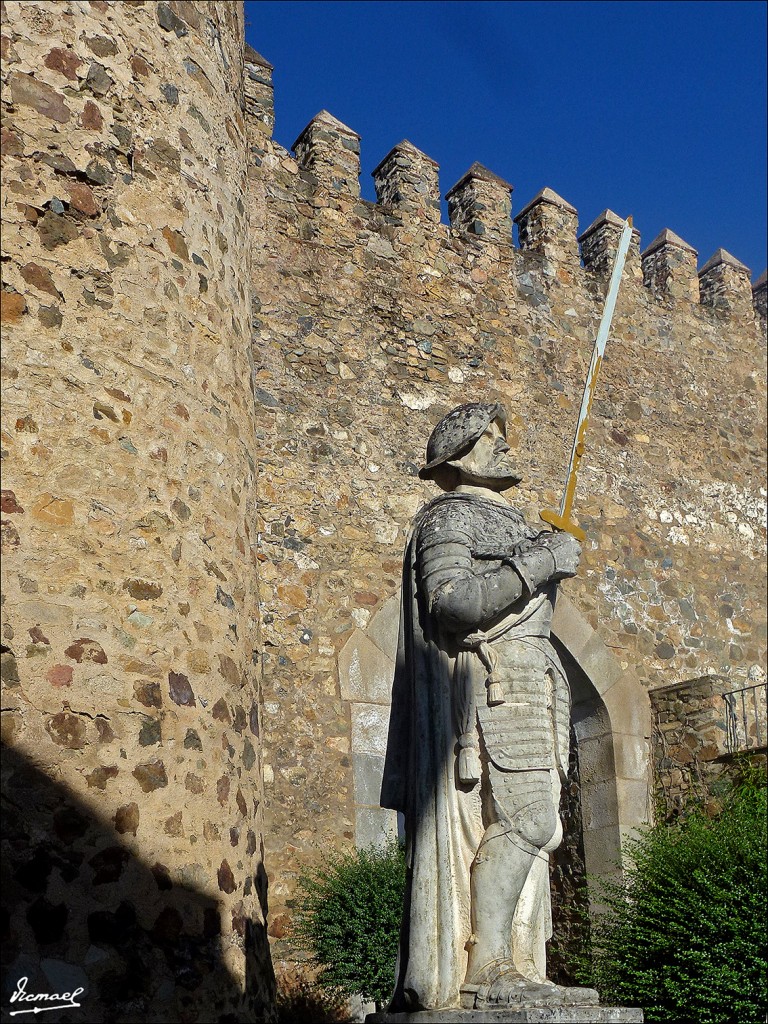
(704, 730)
(370, 322)
(182, 299)
(133, 826)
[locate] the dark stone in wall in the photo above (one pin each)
(180, 689)
(169, 21)
(47, 921)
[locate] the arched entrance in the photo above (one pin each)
(611, 718)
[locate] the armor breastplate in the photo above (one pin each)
(520, 734)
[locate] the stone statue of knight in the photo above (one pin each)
(478, 741)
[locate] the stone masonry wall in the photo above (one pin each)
(371, 321)
(703, 730)
(133, 826)
(151, 225)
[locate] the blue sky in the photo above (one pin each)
(649, 108)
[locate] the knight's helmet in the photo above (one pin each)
(455, 434)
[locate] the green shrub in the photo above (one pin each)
(349, 921)
(685, 936)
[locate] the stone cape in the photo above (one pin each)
(443, 824)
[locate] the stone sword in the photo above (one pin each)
(562, 520)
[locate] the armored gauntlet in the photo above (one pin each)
(553, 556)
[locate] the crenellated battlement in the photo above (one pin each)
(759, 297)
(330, 152)
(600, 242)
(724, 284)
(480, 204)
(327, 155)
(258, 93)
(547, 225)
(669, 267)
(407, 180)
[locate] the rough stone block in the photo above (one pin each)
(590, 720)
(600, 664)
(596, 759)
(570, 627)
(628, 706)
(374, 826)
(384, 626)
(370, 725)
(367, 771)
(365, 673)
(633, 799)
(631, 756)
(599, 804)
(602, 850)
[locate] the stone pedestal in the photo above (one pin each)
(516, 1015)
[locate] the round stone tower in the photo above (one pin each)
(133, 862)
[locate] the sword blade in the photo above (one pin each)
(594, 368)
(562, 520)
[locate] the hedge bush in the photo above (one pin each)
(349, 920)
(685, 935)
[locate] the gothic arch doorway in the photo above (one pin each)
(611, 719)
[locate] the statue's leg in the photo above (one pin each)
(523, 820)
(498, 875)
(526, 825)
(532, 925)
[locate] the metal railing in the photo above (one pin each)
(745, 718)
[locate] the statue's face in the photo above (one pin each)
(488, 464)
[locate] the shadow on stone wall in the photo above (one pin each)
(79, 908)
(567, 949)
